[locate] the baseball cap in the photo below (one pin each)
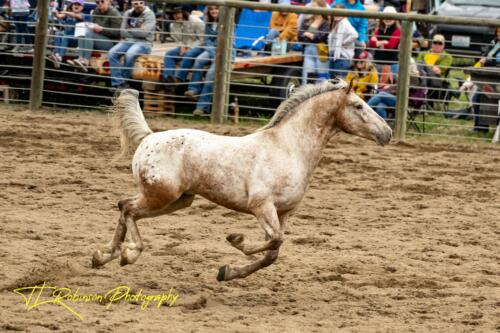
(438, 38)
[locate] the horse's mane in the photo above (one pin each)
(289, 106)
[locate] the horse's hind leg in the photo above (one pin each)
(267, 215)
(112, 249)
(141, 208)
(127, 222)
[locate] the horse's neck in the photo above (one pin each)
(309, 129)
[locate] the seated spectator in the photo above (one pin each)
(66, 38)
(203, 55)
(314, 33)
(490, 58)
(283, 25)
(205, 58)
(384, 102)
(492, 55)
(436, 63)
(101, 35)
(358, 23)
(364, 75)
(187, 31)
(137, 32)
(341, 44)
(20, 11)
(385, 41)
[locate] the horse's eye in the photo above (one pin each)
(359, 106)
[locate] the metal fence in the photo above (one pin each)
(248, 82)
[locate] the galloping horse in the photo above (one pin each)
(265, 173)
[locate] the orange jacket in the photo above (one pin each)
(286, 25)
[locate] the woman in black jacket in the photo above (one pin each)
(492, 55)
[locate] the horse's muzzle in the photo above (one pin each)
(383, 137)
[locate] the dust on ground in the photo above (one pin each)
(397, 239)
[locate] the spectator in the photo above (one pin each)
(492, 55)
(64, 39)
(205, 58)
(20, 10)
(385, 41)
(436, 63)
(437, 59)
(314, 33)
(4, 32)
(359, 23)
(137, 32)
(490, 58)
(101, 35)
(364, 75)
(283, 25)
(341, 44)
(187, 31)
(204, 102)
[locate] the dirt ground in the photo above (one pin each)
(397, 239)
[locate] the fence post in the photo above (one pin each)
(222, 64)
(403, 80)
(37, 77)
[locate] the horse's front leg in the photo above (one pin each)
(268, 217)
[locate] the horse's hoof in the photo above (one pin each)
(222, 273)
(97, 259)
(235, 238)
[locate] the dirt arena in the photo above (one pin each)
(397, 239)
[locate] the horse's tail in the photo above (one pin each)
(130, 121)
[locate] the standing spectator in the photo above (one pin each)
(101, 35)
(20, 11)
(66, 38)
(137, 32)
(359, 23)
(205, 58)
(314, 33)
(385, 40)
(341, 44)
(364, 75)
(187, 31)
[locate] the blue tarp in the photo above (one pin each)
(251, 26)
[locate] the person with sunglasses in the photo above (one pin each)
(137, 32)
(102, 34)
(437, 59)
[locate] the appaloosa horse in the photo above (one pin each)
(265, 173)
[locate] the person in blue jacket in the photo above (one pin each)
(359, 23)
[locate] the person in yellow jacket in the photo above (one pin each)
(364, 76)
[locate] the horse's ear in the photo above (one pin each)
(350, 86)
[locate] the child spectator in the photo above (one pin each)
(341, 44)
(364, 75)
(102, 34)
(20, 11)
(314, 34)
(385, 41)
(68, 18)
(187, 30)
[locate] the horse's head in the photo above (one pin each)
(357, 118)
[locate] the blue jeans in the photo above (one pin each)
(93, 41)
(187, 62)
(130, 50)
(340, 67)
(203, 60)
(62, 42)
(381, 102)
(205, 100)
(312, 64)
(22, 31)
